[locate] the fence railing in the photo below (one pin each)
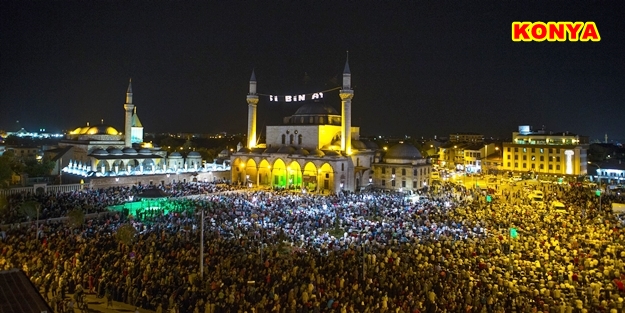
(42, 187)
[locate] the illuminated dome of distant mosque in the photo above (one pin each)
(95, 130)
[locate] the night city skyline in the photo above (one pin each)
(427, 68)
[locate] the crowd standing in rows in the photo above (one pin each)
(448, 251)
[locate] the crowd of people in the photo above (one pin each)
(265, 251)
(92, 200)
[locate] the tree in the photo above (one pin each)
(5, 172)
(30, 209)
(4, 205)
(125, 234)
(76, 217)
(35, 168)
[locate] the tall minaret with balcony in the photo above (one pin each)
(129, 109)
(346, 95)
(252, 101)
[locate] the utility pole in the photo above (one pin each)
(202, 246)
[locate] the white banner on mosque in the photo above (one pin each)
(296, 98)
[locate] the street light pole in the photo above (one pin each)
(599, 179)
(202, 246)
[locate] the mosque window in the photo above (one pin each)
(403, 183)
(321, 120)
(342, 166)
(299, 139)
(384, 170)
(383, 182)
(393, 183)
(311, 120)
(357, 161)
(403, 172)
(291, 139)
(414, 184)
(557, 167)
(283, 138)
(414, 172)
(393, 170)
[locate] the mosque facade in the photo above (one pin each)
(101, 151)
(317, 149)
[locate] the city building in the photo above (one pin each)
(545, 153)
(315, 149)
(401, 168)
(466, 137)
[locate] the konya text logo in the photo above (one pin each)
(555, 31)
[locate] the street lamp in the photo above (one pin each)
(599, 180)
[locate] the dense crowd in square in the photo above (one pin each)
(280, 251)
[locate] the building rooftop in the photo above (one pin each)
(18, 294)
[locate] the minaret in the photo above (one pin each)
(252, 101)
(129, 108)
(346, 95)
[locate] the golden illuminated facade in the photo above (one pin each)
(316, 148)
(542, 153)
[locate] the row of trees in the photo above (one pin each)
(10, 165)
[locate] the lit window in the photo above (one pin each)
(524, 165)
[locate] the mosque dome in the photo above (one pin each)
(358, 145)
(371, 145)
(317, 153)
(99, 152)
(194, 154)
(115, 152)
(175, 155)
(403, 151)
(145, 151)
(271, 150)
(331, 153)
(286, 150)
(224, 151)
(100, 130)
(314, 113)
(129, 151)
(244, 150)
(301, 151)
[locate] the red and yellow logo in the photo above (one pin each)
(555, 31)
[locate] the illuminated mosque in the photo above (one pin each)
(316, 149)
(102, 151)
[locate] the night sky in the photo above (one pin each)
(419, 68)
